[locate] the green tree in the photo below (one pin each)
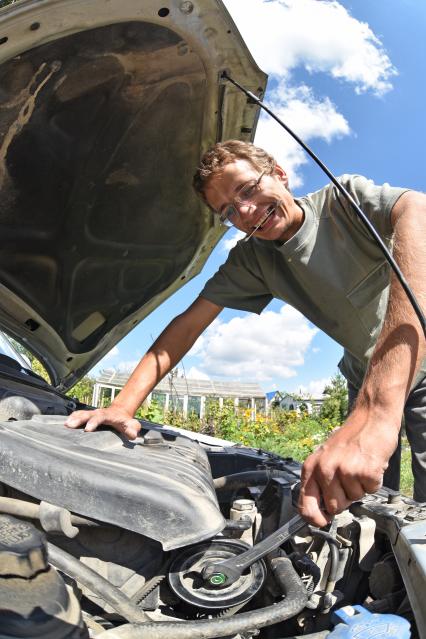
(38, 368)
(335, 405)
(83, 390)
(36, 365)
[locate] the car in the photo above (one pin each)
(106, 107)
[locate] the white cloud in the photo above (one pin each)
(112, 353)
(195, 373)
(314, 388)
(104, 361)
(308, 116)
(126, 366)
(258, 348)
(319, 35)
(230, 240)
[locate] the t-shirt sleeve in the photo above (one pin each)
(238, 283)
(376, 201)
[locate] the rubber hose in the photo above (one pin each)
(30, 510)
(334, 545)
(19, 508)
(293, 603)
(73, 567)
(334, 565)
(248, 478)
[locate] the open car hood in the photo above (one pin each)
(106, 107)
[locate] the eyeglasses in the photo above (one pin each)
(245, 195)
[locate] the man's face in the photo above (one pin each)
(269, 197)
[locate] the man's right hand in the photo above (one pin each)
(174, 342)
(113, 416)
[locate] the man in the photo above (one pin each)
(315, 254)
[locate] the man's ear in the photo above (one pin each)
(282, 175)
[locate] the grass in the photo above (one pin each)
(299, 451)
(406, 474)
(286, 433)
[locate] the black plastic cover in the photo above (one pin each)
(160, 487)
(35, 602)
(23, 548)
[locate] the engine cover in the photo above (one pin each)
(158, 485)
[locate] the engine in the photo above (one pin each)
(166, 536)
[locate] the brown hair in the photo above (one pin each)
(224, 153)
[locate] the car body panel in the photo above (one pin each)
(106, 108)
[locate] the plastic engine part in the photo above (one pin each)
(357, 621)
(158, 485)
(34, 599)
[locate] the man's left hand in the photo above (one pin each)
(348, 465)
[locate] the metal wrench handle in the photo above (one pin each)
(227, 572)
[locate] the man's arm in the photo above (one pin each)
(173, 343)
(352, 461)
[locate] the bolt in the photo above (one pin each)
(218, 579)
(243, 504)
(154, 438)
(186, 7)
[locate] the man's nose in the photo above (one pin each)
(245, 208)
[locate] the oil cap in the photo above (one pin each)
(154, 438)
(23, 550)
(358, 622)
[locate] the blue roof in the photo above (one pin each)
(271, 395)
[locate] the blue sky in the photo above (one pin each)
(348, 76)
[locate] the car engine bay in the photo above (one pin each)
(106, 107)
(165, 536)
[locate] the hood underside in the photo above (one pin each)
(106, 108)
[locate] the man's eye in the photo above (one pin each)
(227, 214)
(249, 190)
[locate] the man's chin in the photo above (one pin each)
(272, 235)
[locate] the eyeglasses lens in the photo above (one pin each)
(228, 215)
(244, 196)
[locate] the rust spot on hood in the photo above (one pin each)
(29, 96)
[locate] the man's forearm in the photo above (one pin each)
(173, 343)
(352, 461)
(163, 355)
(400, 348)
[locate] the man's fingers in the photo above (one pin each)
(353, 488)
(343, 469)
(92, 419)
(94, 422)
(131, 428)
(310, 503)
(334, 496)
(77, 419)
(372, 478)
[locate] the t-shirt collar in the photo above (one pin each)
(301, 237)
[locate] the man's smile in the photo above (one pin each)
(269, 211)
(257, 203)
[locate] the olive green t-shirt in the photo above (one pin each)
(331, 270)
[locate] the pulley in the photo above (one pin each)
(186, 580)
